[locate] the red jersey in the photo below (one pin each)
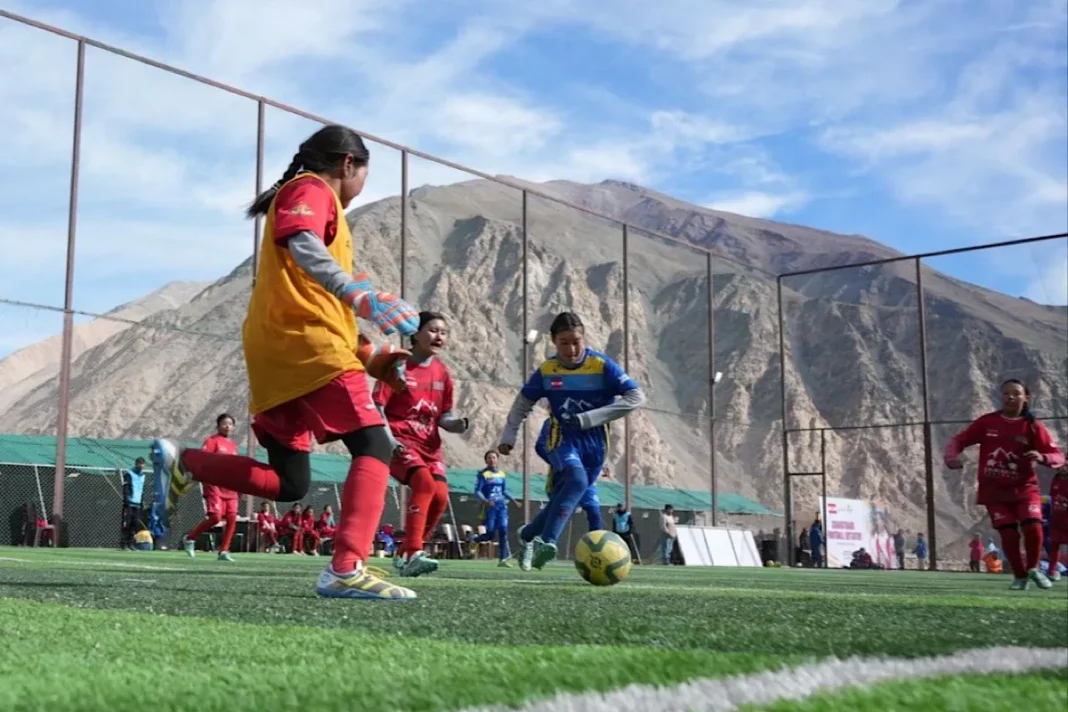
(266, 520)
(307, 523)
(975, 549)
(1058, 503)
(1005, 475)
(289, 522)
(413, 414)
(224, 446)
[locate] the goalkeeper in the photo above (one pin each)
(305, 379)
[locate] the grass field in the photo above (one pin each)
(102, 630)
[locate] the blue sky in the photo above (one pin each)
(924, 125)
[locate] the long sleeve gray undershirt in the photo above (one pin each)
(311, 255)
(619, 408)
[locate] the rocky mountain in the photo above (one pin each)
(851, 342)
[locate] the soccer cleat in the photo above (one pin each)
(505, 563)
(418, 564)
(361, 583)
(1055, 576)
(398, 562)
(225, 556)
(190, 547)
(1020, 584)
(524, 554)
(1039, 579)
(172, 481)
(544, 552)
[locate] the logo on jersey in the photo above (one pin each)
(298, 209)
(575, 405)
(556, 383)
(423, 417)
(438, 385)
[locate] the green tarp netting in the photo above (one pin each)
(109, 455)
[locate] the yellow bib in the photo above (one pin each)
(297, 336)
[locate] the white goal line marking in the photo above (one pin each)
(770, 686)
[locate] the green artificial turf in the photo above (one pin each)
(84, 628)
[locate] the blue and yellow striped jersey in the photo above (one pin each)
(491, 485)
(595, 382)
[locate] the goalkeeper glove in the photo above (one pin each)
(388, 311)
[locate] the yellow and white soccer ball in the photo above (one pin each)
(602, 558)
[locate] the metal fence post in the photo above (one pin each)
(787, 498)
(404, 285)
(712, 383)
(626, 364)
(527, 346)
(63, 408)
(823, 486)
(928, 463)
(261, 127)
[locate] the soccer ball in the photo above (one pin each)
(602, 558)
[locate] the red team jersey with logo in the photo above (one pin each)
(1058, 504)
(413, 414)
(223, 446)
(1005, 475)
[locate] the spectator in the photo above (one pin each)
(815, 541)
(668, 533)
(623, 525)
(385, 535)
(307, 527)
(326, 525)
(268, 527)
(133, 491)
(921, 552)
(290, 528)
(899, 548)
(803, 553)
(975, 553)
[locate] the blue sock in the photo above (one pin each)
(568, 488)
(531, 530)
(505, 551)
(593, 516)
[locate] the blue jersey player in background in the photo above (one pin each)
(586, 391)
(492, 490)
(590, 502)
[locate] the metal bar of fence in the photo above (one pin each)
(403, 503)
(902, 424)
(63, 407)
(527, 365)
(261, 132)
(928, 462)
(787, 486)
(928, 255)
(823, 488)
(626, 365)
(323, 120)
(709, 268)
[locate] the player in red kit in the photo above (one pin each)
(414, 417)
(1058, 520)
(1011, 441)
(219, 503)
(268, 526)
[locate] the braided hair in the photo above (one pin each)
(1025, 412)
(320, 153)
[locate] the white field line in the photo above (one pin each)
(796, 683)
(96, 564)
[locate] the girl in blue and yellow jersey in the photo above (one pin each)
(305, 378)
(586, 391)
(491, 488)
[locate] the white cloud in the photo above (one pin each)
(756, 204)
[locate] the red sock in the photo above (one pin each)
(298, 541)
(421, 484)
(1010, 543)
(438, 505)
(1033, 543)
(204, 527)
(241, 474)
(362, 501)
(1055, 545)
(228, 532)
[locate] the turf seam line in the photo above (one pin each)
(763, 688)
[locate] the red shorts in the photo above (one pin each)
(1009, 514)
(340, 407)
(218, 503)
(412, 457)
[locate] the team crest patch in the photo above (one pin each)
(438, 385)
(556, 383)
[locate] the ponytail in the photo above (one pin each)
(262, 203)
